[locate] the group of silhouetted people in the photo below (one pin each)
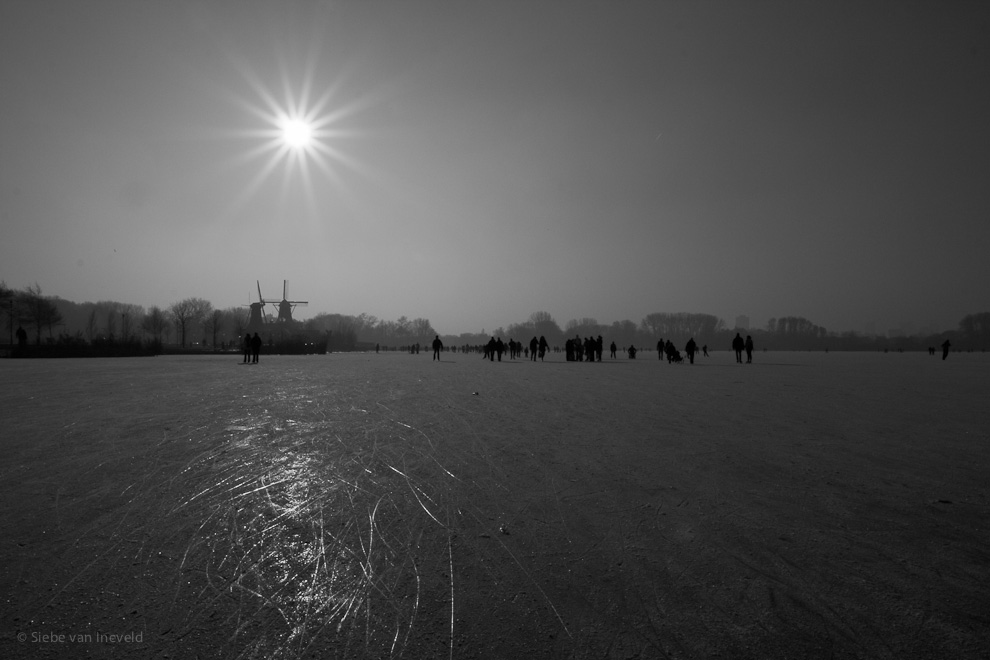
(252, 348)
(588, 349)
(538, 347)
(739, 345)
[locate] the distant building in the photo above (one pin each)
(742, 322)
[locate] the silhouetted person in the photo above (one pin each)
(611, 349)
(22, 337)
(499, 348)
(599, 347)
(534, 343)
(691, 347)
(945, 349)
(738, 345)
(437, 347)
(543, 347)
(247, 348)
(749, 349)
(632, 352)
(660, 347)
(255, 347)
(704, 350)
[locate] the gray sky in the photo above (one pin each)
(475, 162)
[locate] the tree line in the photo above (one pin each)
(52, 321)
(194, 321)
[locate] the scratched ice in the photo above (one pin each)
(318, 528)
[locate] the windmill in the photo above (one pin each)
(285, 306)
(258, 317)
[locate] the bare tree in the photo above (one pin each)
(545, 326)
(7, 307)
(186, 313)
(91, 326)
(130, 318)
(111, 322)
(213, 324)
(38, 310)
(585, 327)
(236, 319)
(155, 322)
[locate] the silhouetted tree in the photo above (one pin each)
(7, 308)
(111, 322)
(624, 333)
(35, 309)
(91, 326)
(155, 322)
(544, 326)
(681, 326)
(235, 320)
(213, 324)
(586, 327)
(186, 313)
(130, 318)
(976, 327)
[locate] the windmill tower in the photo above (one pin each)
(285, 306)
(258, 317)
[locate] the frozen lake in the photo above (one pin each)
(361, 505)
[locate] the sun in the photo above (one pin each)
(300, 117)
(296, 133)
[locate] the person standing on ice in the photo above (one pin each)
(534, 343)
(737, 345)
(945, 349)
(544, 346)
(437, 347)
(749, 349)
(255, 347)
(247, 348)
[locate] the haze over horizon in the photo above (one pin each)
(472, 163)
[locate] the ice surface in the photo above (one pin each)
(358, 505)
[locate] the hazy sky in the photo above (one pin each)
(475, 162)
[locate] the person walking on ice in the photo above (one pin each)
(691, 348)
(737, 345)
(437, 347)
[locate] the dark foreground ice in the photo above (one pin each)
(377, 506)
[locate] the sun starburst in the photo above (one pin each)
(301, 123)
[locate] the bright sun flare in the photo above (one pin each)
(296, 133)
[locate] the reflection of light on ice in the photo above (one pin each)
(324, 524)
